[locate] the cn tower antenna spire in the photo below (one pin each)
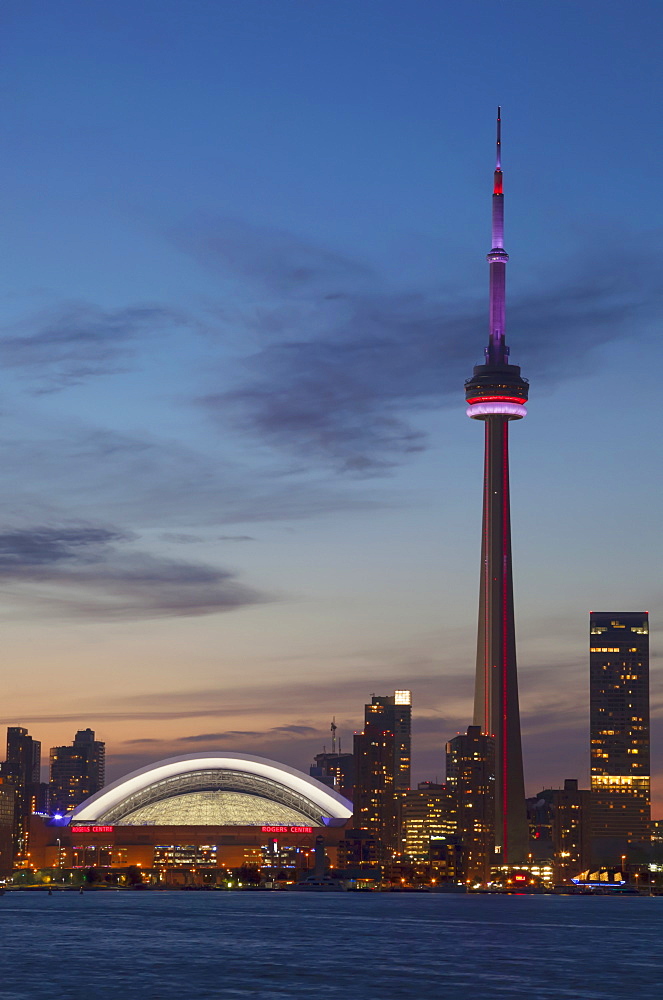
(498, 158)
(497, 351)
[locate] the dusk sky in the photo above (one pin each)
(243, 280)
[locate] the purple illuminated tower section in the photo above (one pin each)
(496, 394)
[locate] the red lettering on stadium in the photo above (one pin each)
(287, 829)
(92, 829)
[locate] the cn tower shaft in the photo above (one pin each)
(496, 394)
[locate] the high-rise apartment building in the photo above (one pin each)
(21, 770)
(571, 830)
(77, 771)
(339, 767)
(427, 813)
(382, 766)
(471, 780)
(560, 829)
(7, 796)
(619, 725)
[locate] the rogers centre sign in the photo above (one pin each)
(92, 829)
(287, 829)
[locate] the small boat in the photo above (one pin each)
(314, 883)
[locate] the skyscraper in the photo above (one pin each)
(619, 724)
(77, 771)
(470, 779)
(21, 769)
(496, 394)
(382, 766)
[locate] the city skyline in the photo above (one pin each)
(239, 296)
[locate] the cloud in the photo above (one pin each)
(184, 538)
(181, 537)
(26, 549)
(146, 479)
(278, 260)
(346, 363)
(139, 715)
(218, 737)
(80, 571)
(77, 341)
(295, 730)
(231, 734)
(293, 744)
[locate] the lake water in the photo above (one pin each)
(278, 945)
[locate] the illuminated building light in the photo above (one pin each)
(621, 780)
(515, 411)
(496, 399)
(286, 829)
(92, 829)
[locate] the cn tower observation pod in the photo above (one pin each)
(215, 789)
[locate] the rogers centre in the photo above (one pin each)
(213, 810)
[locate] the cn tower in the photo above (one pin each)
(496, 394)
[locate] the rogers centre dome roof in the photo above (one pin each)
(215, 789)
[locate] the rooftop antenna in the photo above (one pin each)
(333, 728)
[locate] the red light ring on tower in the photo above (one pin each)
(497, 399)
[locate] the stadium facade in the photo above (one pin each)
(212, 810)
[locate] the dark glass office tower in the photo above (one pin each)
(496, 395)
(619, 724)
(382, 767)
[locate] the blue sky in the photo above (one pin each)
(243, 281)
